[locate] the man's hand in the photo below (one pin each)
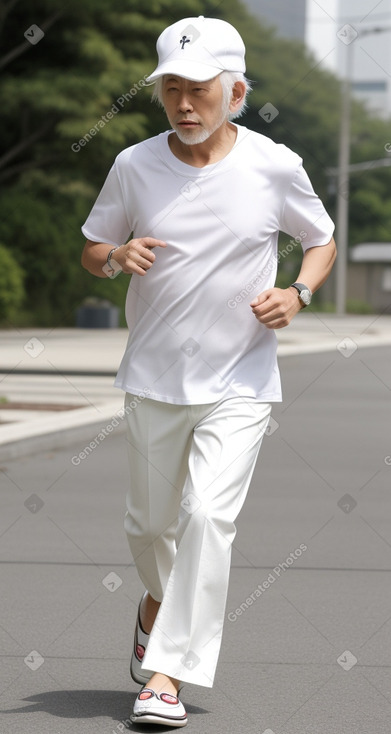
(276, 307)
(136, 256)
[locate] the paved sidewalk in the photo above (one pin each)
(310, 654)
(76, 368)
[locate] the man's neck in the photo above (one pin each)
(214, 149)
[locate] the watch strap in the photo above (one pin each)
(300, 287)
(109, 256)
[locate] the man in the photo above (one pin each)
(202, 205)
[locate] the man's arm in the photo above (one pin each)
(133, 257)
(276, 307)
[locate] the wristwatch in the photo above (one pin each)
(109, 256)
(304, 292)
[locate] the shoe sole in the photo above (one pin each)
(156, 719)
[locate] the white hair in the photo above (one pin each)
(227, 80)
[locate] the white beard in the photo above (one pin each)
(197, 136)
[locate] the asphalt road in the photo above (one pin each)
(311, 654)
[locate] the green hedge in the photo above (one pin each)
(12, 291)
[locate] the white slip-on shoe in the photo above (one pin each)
(158, 708)
(139, 647)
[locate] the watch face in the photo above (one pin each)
(305, 296)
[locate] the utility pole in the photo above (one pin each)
(342, 223)
(343, 185)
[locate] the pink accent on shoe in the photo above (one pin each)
(145, 694)
(140, 652)
(168, 698)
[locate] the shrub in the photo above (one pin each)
(11, 286)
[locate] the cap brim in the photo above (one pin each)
(187, 69)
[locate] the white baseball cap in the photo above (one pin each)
(199, 49)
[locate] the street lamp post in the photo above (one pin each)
(342, 223)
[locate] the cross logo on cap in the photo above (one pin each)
(184, 40)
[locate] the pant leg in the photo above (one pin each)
(159, 436)
(186, 637)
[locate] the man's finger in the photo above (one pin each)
(261, 298)
(150, 242)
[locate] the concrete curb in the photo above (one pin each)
(81, 425)
(334, 343)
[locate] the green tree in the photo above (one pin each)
(11, 286)
(71, 101)
(74, 99)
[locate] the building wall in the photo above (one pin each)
(286, 16)
(370, 54)
(370, 283)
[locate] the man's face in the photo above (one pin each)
(195, 110)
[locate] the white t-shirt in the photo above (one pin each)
(192, 335)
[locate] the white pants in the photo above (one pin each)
(190, 468)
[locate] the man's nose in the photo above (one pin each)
(184, 104)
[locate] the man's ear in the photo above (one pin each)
(238, 95)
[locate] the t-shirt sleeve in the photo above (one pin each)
(108, 220)
(304, 215)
